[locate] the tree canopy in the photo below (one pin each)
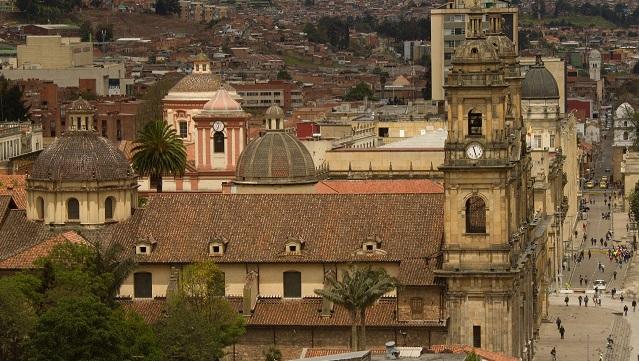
(359, 92)
(167, 7)
(46, 10)
(200, 322)
(12, 106)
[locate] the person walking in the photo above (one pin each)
(589, 254)
(586, 301)
(553, 354)
(566, 300)
(634, 305)
(581, 280)
(625, 310)
(614, 275)
(613, 292)
(621, 297)
(558, 322)
(562, 330)
(580, 300)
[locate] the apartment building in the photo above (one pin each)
(54, 52)
(202, 11)
(274, 92)
(448, 29)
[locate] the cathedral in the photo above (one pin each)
(473, 261)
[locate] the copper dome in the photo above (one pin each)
(275, 158)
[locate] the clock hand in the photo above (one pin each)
(475, 151)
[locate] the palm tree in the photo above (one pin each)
(110, 260)
(159, 151)
(359, 289)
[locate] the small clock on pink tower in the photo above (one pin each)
(218, 126)
(474, 151)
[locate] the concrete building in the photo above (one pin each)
(54, 52)
(257, 94)
(447, 32)
(623, 137)
(68, 63)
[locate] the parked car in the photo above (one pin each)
(599, 284)
(590, 184)
(603, 184)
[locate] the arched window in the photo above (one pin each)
(73, 209)
(40, 207)
(474, 123)
(142, 285)
(218, 142)
(109, 205)
(292, 284)
(625, 135)
(475, 215)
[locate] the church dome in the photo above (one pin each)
(80, 105)
(503, 45)
(539, 83)
(274, 111)
(475, 51)
(275, 158)
(81, 156)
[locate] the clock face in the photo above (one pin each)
(218, 126)
(474, 151)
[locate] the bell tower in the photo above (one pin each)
(487, 270)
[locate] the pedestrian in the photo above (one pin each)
(553, 354)
(580, 300)
(558, 322)
(566, 300)
(634, 305)
(614, 275)
(586, 301)
(599, 301)
(613, 292)
(603, 268)
(621, 297)
(625, 310)
(586, 281)
(562, 330)
(589, 254)
(581, 280)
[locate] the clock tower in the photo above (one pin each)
(488, 255)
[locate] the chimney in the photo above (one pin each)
(249, 298)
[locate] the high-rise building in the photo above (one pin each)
(447, 24)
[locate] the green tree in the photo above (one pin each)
(167, 7)
(159, 151)
(200, 322)
(46, 10)
(283, 74)
(83, 328)
(86, 30)
(472, 356)
(151, 109)
(359, 92)
(17, 318)
(104, 32)
(12, 105)
(358, 290)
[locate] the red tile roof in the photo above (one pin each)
(14, 185)
(294, 312)
(25, 259)
(379, 186)
(333, 227)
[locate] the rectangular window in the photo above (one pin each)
(460, 31)
(448, 31)
(292, 284)
(265, 93)
(417, 308)
(401, 133)
(383, 132)
(450, 43)
(552, 141)
(537, 141)
(477, 336)
(142, 285)
(183, 129)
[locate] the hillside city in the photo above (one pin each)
(319, 180)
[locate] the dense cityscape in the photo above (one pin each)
(319, 180)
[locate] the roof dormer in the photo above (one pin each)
(294, 246)
(372, 245)
(144, 247)
(217, 247)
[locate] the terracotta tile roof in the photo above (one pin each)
(379, 186)
(150, 310)
(17, 233)
(25, 258)
(14, 185)
(318, 352)
(485, 354)
(256, 227)
(293, 312)
(417, 271)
